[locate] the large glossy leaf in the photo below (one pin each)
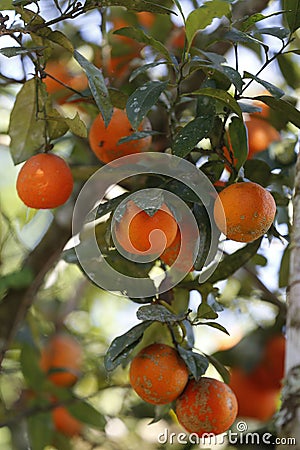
(187, 138)
(97, 86)
(123, 345)
(142, 100)
(222, 96)
(201, 17)
(292, 14)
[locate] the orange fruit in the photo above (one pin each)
(158, 374)
(270, 370)
(137, 231)
(61, 359)
(249, 211)
(206, 406)
(171, 253)
(146, 19)
(65, 422)
(59, 70)
(104, 140)
(254, 401)
(260, 135)
(44, 181)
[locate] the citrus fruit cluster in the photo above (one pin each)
(159, 376)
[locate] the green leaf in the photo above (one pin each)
(86, 413)
(142, 100)
(257, 17)
(282, 107)
(219, 368)
(238, 141)
(234, 35)
(123, 345)
(76, 125)
(30, 366)
(138, 35)
(201, 17)
(25, 131)
(59, 38)
(289, 69)
(138, 135)
(97, 86)
(57, 125)
(158, 313)
(196, 363)
(206, 312)
(40, 430)
(6, 4)
(274, 90)
(187, 138)
(10, 52)
(222, 96)
(133, 5)
(142, 69)
(215, 325)
(206, 245)
(258, 171)
(292, 14)
(231, 263)
(17, 280)
(279, 32)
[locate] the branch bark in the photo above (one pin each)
(15, 304)
(288, 420)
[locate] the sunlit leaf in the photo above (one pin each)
(222, 96)
(158, 313)
(292, 14)
(187, 138)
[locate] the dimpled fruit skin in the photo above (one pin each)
(206, 406)
(44, 181)
(249, 211)
(158, 374)
(104, 140)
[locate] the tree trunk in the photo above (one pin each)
(288, 420)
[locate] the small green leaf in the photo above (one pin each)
(238, 141)
(138, 35)
(222, 96)
(57, 126)
(123, 345)
(187, 138)
(97, 86)
(133, 5)
(142, 69)
(258, 171)
(289, 69)
(206, 312)
(86, 413)
(201, 17)
(138, 135)
(206, 245)
(235, 35)
(274, 90)
(17, 280)
(10, 52)
(282, 107)
(231, 263)
(59, 38)
(219, 368)
(30, 366)
(196, 363)
(279, 32)
(158, 313)
(142, 100)
(284, 271)
(292, 14)
(76, 125)
(215, 325)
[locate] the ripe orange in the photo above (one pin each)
(171, 253)
(104, 140)
(270, 370)
(45, 181)
(158, 374)
(206, 406)
(146, 19)
(254, 401)
(59, 70)
(137, 231)
(249, 211)
(65, 423)
(260, 135)
(61, 359)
